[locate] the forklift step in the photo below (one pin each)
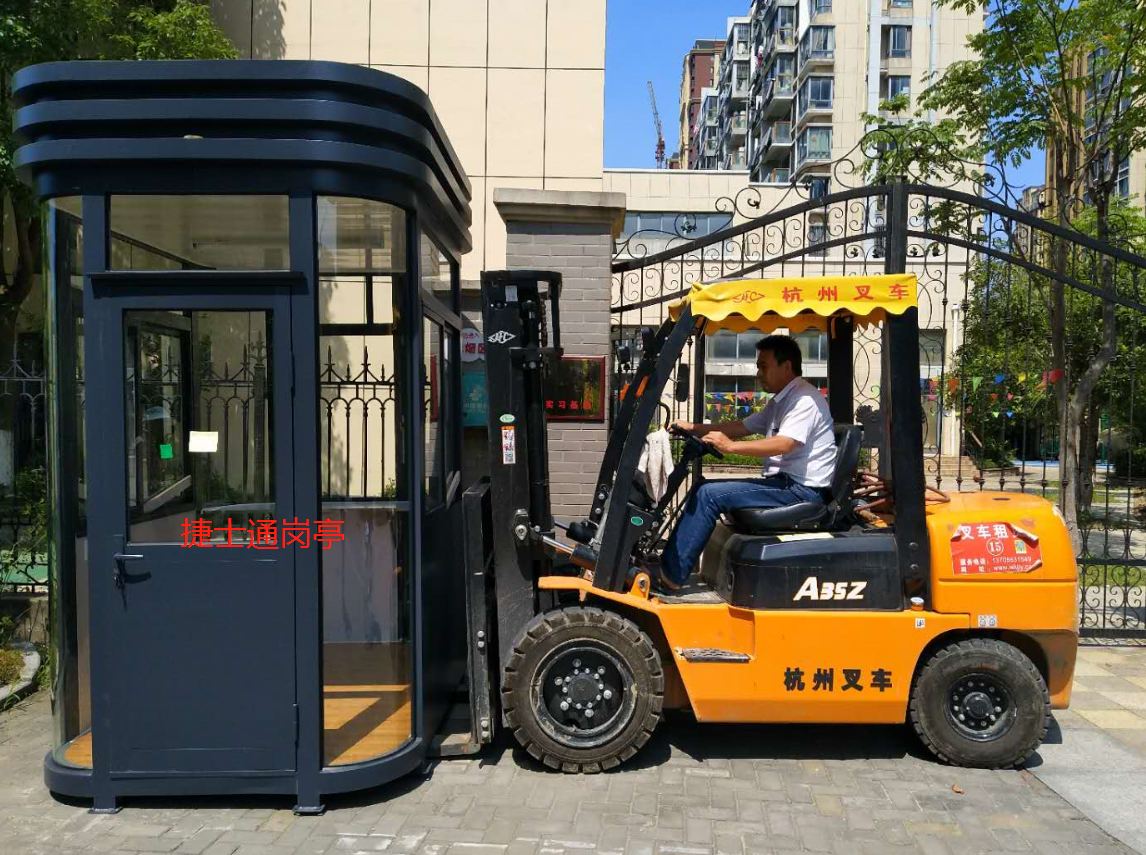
(711, 654)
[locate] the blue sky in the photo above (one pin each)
(647, 40)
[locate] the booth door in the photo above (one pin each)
(193, 531)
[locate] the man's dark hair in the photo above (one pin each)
(784, 349)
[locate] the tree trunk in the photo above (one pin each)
(1080, 399)
(1088, 452)
(1057, 309)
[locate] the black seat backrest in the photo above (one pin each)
(849, 438)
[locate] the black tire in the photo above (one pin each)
(980, 703)
(607, 664)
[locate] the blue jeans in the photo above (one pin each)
(713, 498)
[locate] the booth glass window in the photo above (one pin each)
(199, 444)
(364, 363)
(67, 560)
(199, 233)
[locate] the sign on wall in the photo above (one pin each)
(473, 399)
(575, 391)
(473, 345)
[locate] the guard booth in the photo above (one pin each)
(252, 271)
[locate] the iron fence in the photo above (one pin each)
(1030, 334)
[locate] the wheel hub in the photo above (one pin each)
(979, 706)
(583, 694)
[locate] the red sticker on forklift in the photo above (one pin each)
(981, 548)
(508, 445)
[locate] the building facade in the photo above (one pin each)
(519, 85)
(735, 82)
(796, 77)
(701, 70)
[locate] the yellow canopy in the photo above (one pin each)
(798, 303)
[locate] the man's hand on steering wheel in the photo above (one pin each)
(721, 442)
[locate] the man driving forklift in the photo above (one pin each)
(798, 449)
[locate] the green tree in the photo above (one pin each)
(1070, 76)
(35, 31)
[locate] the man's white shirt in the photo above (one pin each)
(801, 413)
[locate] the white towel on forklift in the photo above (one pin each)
(656, 463)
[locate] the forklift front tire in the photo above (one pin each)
(980, 703)
(583, 689)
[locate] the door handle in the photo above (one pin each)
(120, 556)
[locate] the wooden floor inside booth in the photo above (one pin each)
(78, 752)
(365, 700)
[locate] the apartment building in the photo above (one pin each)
(1130, 173)
(732, 101)
(707, 131)
(700, 72)
(797, 75)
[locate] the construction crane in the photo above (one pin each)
(660, 131)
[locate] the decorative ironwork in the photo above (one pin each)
(23, 523)
(991, 278)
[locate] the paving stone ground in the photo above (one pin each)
(695, 790)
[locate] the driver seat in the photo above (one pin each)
(811, 516)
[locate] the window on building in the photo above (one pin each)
(898, 44)
(813, 346)
(785, 74)
(902, 4)
(818, 43)
(786, 25)
(819, 6)
(897, 84)
(1122, 188)
(815, 94)
(683, 223)
(733, 347)
(814, 143)
(782, 132)
(817, 234)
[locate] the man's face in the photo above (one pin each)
(773, 377)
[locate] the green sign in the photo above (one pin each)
(473, 399)
(166, 452)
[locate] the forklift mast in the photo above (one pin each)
(519, 353)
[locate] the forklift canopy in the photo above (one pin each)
(798, 304)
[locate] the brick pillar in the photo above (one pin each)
(571, 232)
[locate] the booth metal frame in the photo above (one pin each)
(295, 129)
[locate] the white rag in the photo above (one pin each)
(656, 463)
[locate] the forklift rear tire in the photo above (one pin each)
(980, 703)
(583, 689)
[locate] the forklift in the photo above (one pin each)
(953, 614)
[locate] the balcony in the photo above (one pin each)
(813, 110)
(817, 49)
(734, 160)
(783, 38)
(777, 143)
(778, 95)
(710, 148)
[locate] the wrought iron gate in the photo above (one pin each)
(993, 277)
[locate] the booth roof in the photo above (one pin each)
(798, 303)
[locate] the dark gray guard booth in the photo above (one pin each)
(252, 271)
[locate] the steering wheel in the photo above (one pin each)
(693, 447)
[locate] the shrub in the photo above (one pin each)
(11, 664)
(1130, 461)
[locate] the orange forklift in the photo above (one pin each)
(954, 614)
